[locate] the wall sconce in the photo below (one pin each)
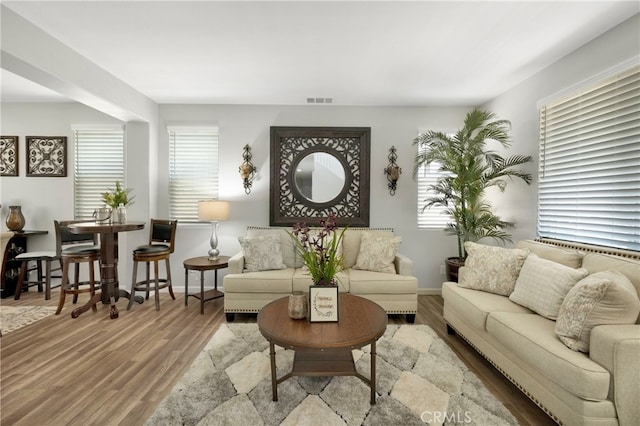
(392, 171)
(247, 169)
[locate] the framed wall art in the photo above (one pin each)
(323, 303)
(9, 159)
(319, 170)
(47, 156)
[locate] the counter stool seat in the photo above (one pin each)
(39, 257)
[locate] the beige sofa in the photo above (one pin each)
(248, 292)
(600, 387)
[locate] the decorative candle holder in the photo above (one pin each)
(392, 171)
(298, 305)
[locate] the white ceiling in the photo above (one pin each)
(358, 53)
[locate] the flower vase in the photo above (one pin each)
(297, 305)
(15, 219)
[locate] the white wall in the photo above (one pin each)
(240, 125)
(520, 106)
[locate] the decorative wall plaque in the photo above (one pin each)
(319, 170)
(47, 156)
(9, 159)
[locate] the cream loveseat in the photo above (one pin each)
(595, 383)
(248, 291)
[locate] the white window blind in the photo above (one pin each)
(433, 217)
(193, 169)
(589, 171)
(98, 164)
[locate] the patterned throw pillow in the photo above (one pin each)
(491, 269)
(377, 253)
(601, 298)
(543, 284)
(262, 253)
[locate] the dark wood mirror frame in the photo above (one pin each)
(289, 145)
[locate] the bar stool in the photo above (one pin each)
(73, 249)
(39, 257)
(162, 237)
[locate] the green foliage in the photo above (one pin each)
(320, 253)
(469, 169)
(114, 197)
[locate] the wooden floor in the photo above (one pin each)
(95, 371)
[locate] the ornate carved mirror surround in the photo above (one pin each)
(319, 170)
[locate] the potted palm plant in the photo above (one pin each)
(468, 168)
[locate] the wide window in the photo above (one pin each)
(589, 171)
(98, 164)
(193, 169)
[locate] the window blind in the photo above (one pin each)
(193, 170)
(589, 169)
(98, 164)
(434, 217)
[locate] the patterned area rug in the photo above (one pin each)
(15, 317)
(420, 380)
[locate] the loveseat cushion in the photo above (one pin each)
(276, 281)
(475, 305)
(570, 258)
(351, 242)
(531, 338)
(369, 282)
(492, 269)
(543, 284)
(602, 298)
(377, 253)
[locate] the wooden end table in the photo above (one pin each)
(202, 263)
(324, 348)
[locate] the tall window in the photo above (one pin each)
(589, 172)
(434, 217)
(193, 169)
(98, 164)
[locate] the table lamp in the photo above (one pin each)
(213, 211)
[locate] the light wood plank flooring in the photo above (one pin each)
(96, 371)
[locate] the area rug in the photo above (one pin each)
(14, 317)
(420, 381)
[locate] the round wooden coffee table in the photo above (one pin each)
(324, 348)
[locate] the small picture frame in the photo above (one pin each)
(9, 159)
(46, 156)
(323, 303)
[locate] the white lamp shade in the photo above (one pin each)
(211, 210)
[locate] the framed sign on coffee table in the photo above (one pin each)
(323, 303)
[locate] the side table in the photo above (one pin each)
(202, 264)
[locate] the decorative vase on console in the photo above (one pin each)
(15, 219)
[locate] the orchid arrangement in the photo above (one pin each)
(320, 252)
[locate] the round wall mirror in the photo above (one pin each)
(319, 177)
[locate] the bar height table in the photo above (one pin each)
(108, 260)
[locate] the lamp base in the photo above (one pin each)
(214, 254)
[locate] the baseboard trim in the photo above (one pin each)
(429, 291)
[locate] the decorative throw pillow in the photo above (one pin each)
(601, 298)
(491, 269)
(262, 253)
(543, 284)
(377, 253)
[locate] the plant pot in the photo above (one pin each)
(452, 264)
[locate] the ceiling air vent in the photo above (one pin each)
(319, 100)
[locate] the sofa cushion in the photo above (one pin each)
(475, 305)
(302, 280)
(369, 282)
(286, 243)
(531, 338)
(570, 258)
(543, 284)
(492, 269)
(351, 242)
(596, 262)
(262, 253)
(276, 281)
(377, 253)
(601, 298)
